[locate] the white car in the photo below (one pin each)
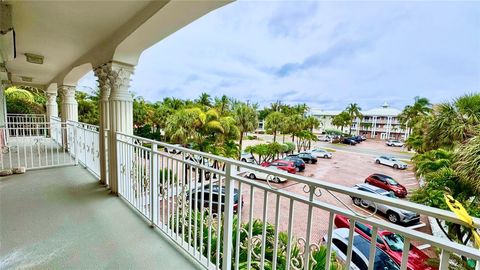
(247, 157)
(320, 153)
(266, 176)
(396, 143)
(324, 138)
(360, 251)
(391, 161)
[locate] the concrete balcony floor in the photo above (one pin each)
(63, 219)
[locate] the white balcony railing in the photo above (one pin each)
(262, 224)
(37, 144)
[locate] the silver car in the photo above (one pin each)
(320, 153)
(391, 161)
(360, 251)
(396, 143)
(394, 215)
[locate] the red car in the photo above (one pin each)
(388, 183)
(285, 165)
(391, 243)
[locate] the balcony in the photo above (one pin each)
(68, 220)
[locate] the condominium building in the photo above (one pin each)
(378, 123)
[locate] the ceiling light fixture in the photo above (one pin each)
(34, 58)
(26, 79)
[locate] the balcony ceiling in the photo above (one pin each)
(69, 34)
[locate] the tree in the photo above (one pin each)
(274, 123)
(87, 108)
(467, 163)
(205, 100)
(340, 120)
(23, 101)
(246, 120)
(353, 111)
(222, 104)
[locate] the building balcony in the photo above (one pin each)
(63, 218)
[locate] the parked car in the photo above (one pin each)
(247, 157)
(358, 139)
(285, 165)
(364, 137)
(172, 150)
(299, 163)
(320, 153)
(389, 242)
(306, 157)
(349, 141)
(396, 143)
(393, 214)
(201, 161)
(324, 138)
(391, 161)
(360, 251)
(388, 183)
(213, 193)
(266, 176)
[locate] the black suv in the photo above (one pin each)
(306, 157)
(299, 163)
(212, 192)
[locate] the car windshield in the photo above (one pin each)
(394, 241)
(391, 181)
(382, 261)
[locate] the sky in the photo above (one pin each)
(324, 54)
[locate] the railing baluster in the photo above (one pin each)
(350, 244)
(289, 233)
(328, 259)
(406, 249)
(239, 227)
(250, 228)
(264, 229)
(373, 248)
(275, 241)
(445, 260)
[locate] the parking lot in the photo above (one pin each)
(350, 165)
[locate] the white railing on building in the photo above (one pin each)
(37, 144)
(170, 190)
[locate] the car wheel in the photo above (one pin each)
(357, 201)
(377, 161)
(297, 169)
(393, 217)
(276, 180)
(244, 160)
(395, 166)
(325, 156)
(310, 161)
(252, 176)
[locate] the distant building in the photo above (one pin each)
(379, 123)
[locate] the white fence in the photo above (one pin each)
(262, 224)
(34, 144)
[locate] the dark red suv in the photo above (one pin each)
(388, 183)
(285, 165)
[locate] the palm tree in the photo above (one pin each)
(246, 121)
(353, 111)
(454, 122)
(205, 100)
(412, 114)
(222, 104)
(467, 163)
(274, 122)
(340, 120)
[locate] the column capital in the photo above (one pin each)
(67, 91)
(116, 76)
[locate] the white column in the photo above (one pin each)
(120, 113)
(102, 73)
(69, 104)
(52, 106)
